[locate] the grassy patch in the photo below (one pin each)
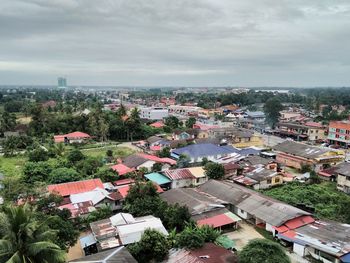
(12, 166)
(266, 234)
(101, 152)
(324, 198)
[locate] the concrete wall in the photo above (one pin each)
(181, 183)
(298, 249)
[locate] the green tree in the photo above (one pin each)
(272, 110)
(263, 251)
(24, 239)
(165, 152)
(172, 122)
(75, 156)
(38, 155)
(314, 178)
(190, 122)
(190, 238)
(88, 166)
(153, 247)
(63, 175)
(7, 121)
(214, 170)
(157, 167)
(106, 174)
(36, 172)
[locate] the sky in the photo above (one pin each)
(286, 43)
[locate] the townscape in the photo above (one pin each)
(91, 174)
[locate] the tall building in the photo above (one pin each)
(154, 113)
(339, 133)
(62, 82)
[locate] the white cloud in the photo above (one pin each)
(166, 42)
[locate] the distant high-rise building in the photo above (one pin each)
(62, 82)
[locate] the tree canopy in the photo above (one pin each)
(24, 239)
(272, 110)
(263, 251)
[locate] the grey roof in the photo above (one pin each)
(134, 160)
(154, 139)
(118, 255)
(255, 160)
(261, 174)
(343, 169)
(333, 237)
(263, 207)
(301, 149)
(202, 150)
(195, 201)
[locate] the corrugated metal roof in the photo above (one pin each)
(216, 221)
(66, 189)
(132, 233)
(179, 174)
(263, 207)
(158, 178)
(197, 172)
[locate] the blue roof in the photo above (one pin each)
(158, 178)
(203, 150)
(249, 151)
(345, 258)
(87, 240)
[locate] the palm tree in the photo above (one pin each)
(24, 239)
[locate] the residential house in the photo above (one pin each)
(250, 205)
(185, 135)
(339, 133)
(196, 152)
(67, 189)
(74, 137)
(324, 241)
(141, 160)
(260, 178)
(119, 230)
(120, 254)
(157, 124)
(209, 253)
(295, 154)
(153, 141)
(180, 177)
(204, 210)
(342, 173)
(98, 198)
(160, 179)
(122, 169)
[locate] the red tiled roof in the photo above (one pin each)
(281, 229)
(299, 222)
(72, 135)
(122, 169)
(66, 189)
(216, 221)
(124, 181)
(179, 174)
(289, 234)
(155, 148)
(158, 124)
(314, 124)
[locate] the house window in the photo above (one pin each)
(269, 181)
(197, 180)
(277, 180)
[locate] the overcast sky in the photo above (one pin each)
(175, 42)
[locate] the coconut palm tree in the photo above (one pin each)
(24, 239)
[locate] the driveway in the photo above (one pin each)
(247, 232)
(243, 235)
